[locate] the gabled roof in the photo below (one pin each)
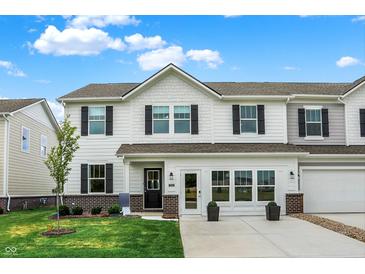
(225, 89)
(11, 105)
(354, 86)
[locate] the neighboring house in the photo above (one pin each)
(175, 143)
(27, 132)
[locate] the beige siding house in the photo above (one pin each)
(27, 133)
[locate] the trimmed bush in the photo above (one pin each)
(77, 210)
(272, 204)
(1, 210)
(64, 210)
(96, 210)
(212, 204)
(114, 209)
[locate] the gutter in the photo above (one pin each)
(6, 160)
(273, 154)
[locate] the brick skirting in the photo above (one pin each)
(3, 203)
(136, 202)
(294, 203)
(19, 203)
(87, 202)
(170, 204)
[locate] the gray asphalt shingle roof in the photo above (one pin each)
(11, 105)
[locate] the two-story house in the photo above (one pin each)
(28, 130)
(175, 143)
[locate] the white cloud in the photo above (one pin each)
(12, 69)
(139, 42)
(32, 30)
(211, 57)
(358, 18)
(235, 68)
(57, 110)
(159, 58)
(42, 81)
(291, 68)
(73, 41)
(347, 61)
(102, 21)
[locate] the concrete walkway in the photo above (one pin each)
(253, 236)
(352, 219)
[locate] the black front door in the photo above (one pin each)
(152, 188)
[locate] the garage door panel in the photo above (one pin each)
(333, 191)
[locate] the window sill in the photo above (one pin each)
(314, 138)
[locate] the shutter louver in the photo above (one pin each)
(84, 179)
(148, 120)
(236, 119)
(301, 122)
(109, 178)
(84, 121)
(325, 123)
(109, 120)
(194, 119)
(261, 119)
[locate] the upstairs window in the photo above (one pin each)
(220, 186)
(25, 141)
(97, 178)
(43, 145)
(96, 120)
(248, 119)
(313, 121)
(160, 116)
(182, 119)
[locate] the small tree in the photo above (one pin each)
(60, 157)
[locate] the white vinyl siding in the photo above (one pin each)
(2, 151)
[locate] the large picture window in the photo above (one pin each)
(96, 120)
(313, 120)
(220, 186)
(266, 185)
(97, 178)
(248, 119)
(243, 185)
(160, 115)
(25, 139)
(182, 119)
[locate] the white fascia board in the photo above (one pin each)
(88, 99)
(353, 89)
(314, 96)
(28, 106)
(255, 97)
(335, 156)
(187, 155)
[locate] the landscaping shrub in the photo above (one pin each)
(96, 210)
(1, 211)
(77, 210)
(64, 210)
(212, 204)
(114, 209)
(271, 204)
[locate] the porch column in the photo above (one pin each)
(126, 176)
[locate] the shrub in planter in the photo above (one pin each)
(77, 210)
(64, 210)
(272, 211)
(96, 210)
(1, 210)
(114, 209)
(213, 211)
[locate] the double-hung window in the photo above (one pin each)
(248, 119)
(97, 178)
(25, 139)
(96, 120)
(265, 185)
(182, 119)
(160, 115)
(313, 122)
(220, 186)
(43, 145)
(243, 185)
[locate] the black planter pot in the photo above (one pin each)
(213, 214)
(272, 213)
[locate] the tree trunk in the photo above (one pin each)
(58, 212)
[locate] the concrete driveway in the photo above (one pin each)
(253, 236)
(352, 219)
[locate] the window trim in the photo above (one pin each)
(168, 120)
(89, 120)
(313, 137)
(46, 146)
(228, 186)
(179, 119)
(252, 186)
(159, 181)
(249, 119)
(89, 178)
(21, 140)
(257, 186)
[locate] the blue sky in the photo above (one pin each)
(49, 56)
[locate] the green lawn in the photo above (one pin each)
(94, 237)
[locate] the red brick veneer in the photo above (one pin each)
(87, 202)
(294, 203)
(136, 202)
(170, 204)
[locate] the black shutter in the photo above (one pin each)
(84, 168)
(109, 178)
(261, 119)
(84, 121)
(109, 120)
(301, 122)
(148, 119)
(362, 122)
(236, 119)
(194, 119)
(325, 124)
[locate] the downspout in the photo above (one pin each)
(344, 107)
(6, 164)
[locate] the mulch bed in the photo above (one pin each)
(55, 232)
(88, 215)
(350, 231)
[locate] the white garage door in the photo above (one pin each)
(333, 190)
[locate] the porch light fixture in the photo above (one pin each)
(171, 176)
(292, 175)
